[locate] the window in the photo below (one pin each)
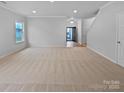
(19, 32)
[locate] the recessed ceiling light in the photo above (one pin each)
(34, 12)
(51, 1)
(71, 22)
(74, 11)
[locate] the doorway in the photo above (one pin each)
(71, 36)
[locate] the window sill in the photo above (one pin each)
(19, 42)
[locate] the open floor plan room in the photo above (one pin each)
(58, 69)
(61, 46)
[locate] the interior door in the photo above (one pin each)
(120, 41)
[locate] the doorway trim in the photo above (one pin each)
(66, 32)
(117, 37)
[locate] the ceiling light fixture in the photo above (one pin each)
(34, 12)
(51, 1)
(71, 22)
(74, 11)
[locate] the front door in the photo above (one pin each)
(71, 34)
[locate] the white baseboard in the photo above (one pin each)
(11, 52)
(41, 46)
(102, 54)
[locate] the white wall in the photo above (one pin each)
(102, 36)
(86, 26)
(47, 31)
(79, 29)
(7, 32)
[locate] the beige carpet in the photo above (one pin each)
(59, 69)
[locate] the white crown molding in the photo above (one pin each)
(104, 6)
(47, 16)
(9, 9)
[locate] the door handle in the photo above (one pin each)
(118, 42)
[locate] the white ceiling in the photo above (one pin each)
(57, 8)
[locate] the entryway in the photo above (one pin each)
(71, 37)
(71, 34)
